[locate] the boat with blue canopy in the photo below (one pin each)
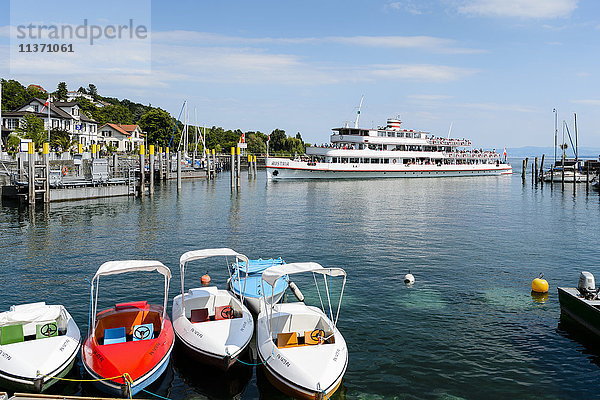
(246, 281)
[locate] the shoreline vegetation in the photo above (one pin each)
(160, 127)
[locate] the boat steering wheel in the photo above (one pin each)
(227, 312)
(141, 332)
(49, 329)
(318, 335)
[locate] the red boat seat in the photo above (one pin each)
(224, 312)
(199, 315)
(132, 304)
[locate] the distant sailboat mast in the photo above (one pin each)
(358, 111)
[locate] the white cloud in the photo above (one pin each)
(408, 6)
(429, 43)
(499, 107)
(538, 9)
(587, 102)
(429, 97)
(421, 72)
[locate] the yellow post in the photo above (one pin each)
(233, 151)
(167, 150)
(79, 148)
(142, 150)
(30, 148)
(46, 148)
(238, 151)
(151, 149)
(249, 157)
(160, 150)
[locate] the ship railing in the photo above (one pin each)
(470, 154)
(450, 142)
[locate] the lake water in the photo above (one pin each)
(469, 327)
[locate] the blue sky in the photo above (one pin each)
(494, 69)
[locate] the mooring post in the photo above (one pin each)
(587, 176)
(151, 155)
(115, 164)
(46, 153)
(542, 168)
(168, 163)
(142, 169)
(207, 160)
(238, 166)
(160, 163)
(535, 170)
(249, 161)
(562, 172)
(178, 169)
(255, 166)
(524, 169)
(31, 177)
(214, 164)
(232, 167)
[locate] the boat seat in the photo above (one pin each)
(115, 335)
(11, 334)
(143, 332)
(199, 315)
(289, 339)
(224, 312)
(46, 329)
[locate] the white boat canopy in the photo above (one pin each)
(120, 267)
(206, 253)
(271, 274)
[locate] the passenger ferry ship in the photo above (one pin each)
(388, 152)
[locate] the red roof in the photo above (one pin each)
(129, 128)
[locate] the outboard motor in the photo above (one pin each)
(587, 286)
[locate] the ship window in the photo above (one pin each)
(409, 134)
(380, 133)
(385, 160)
(400, 134)
(344, 160)
(391, 134)
(417, 135)
(374, 160)
(354, 160)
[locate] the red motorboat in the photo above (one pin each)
(129, 345)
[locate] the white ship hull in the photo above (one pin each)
(278, 169)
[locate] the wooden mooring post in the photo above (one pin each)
(524, 171)
(31, 175)
(232, 168)
(534, 172)
(238, 180)
(142, 183)
(46, 154)
(179, 170)
(151, 156)
(542, 168)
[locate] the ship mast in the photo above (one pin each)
(358, 111)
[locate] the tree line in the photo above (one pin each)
(160, 127)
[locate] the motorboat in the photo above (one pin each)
(571, 175)
(582, 304)
(38, 344)
(246, 281)
(303, 353)
(129, 345)
(214, 326)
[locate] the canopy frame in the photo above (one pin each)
(122, 267)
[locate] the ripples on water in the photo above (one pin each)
(467, 329)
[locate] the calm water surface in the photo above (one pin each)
(469, 328)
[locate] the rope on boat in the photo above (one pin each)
(155, 395)
(252, 364)
(124, 376)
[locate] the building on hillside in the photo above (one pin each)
(65, 115)
(74, 95)
(123, 137)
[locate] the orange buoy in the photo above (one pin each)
(205, 279)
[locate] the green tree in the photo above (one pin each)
(12, 143)
(61, 91)
(256, 142)
(82, 90)
(115, 113)
(158, 125)
(14, 95)
(32, 127)
(61, 139)
(93, 91)
(277, 142)
(34, 91)
(86, 106)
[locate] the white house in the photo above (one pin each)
(65, 115)
(122, 137)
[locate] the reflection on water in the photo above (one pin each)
(468, 329)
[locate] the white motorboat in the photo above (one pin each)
(213, 325)
(303, 352)
(571, 175)
(38, 343)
